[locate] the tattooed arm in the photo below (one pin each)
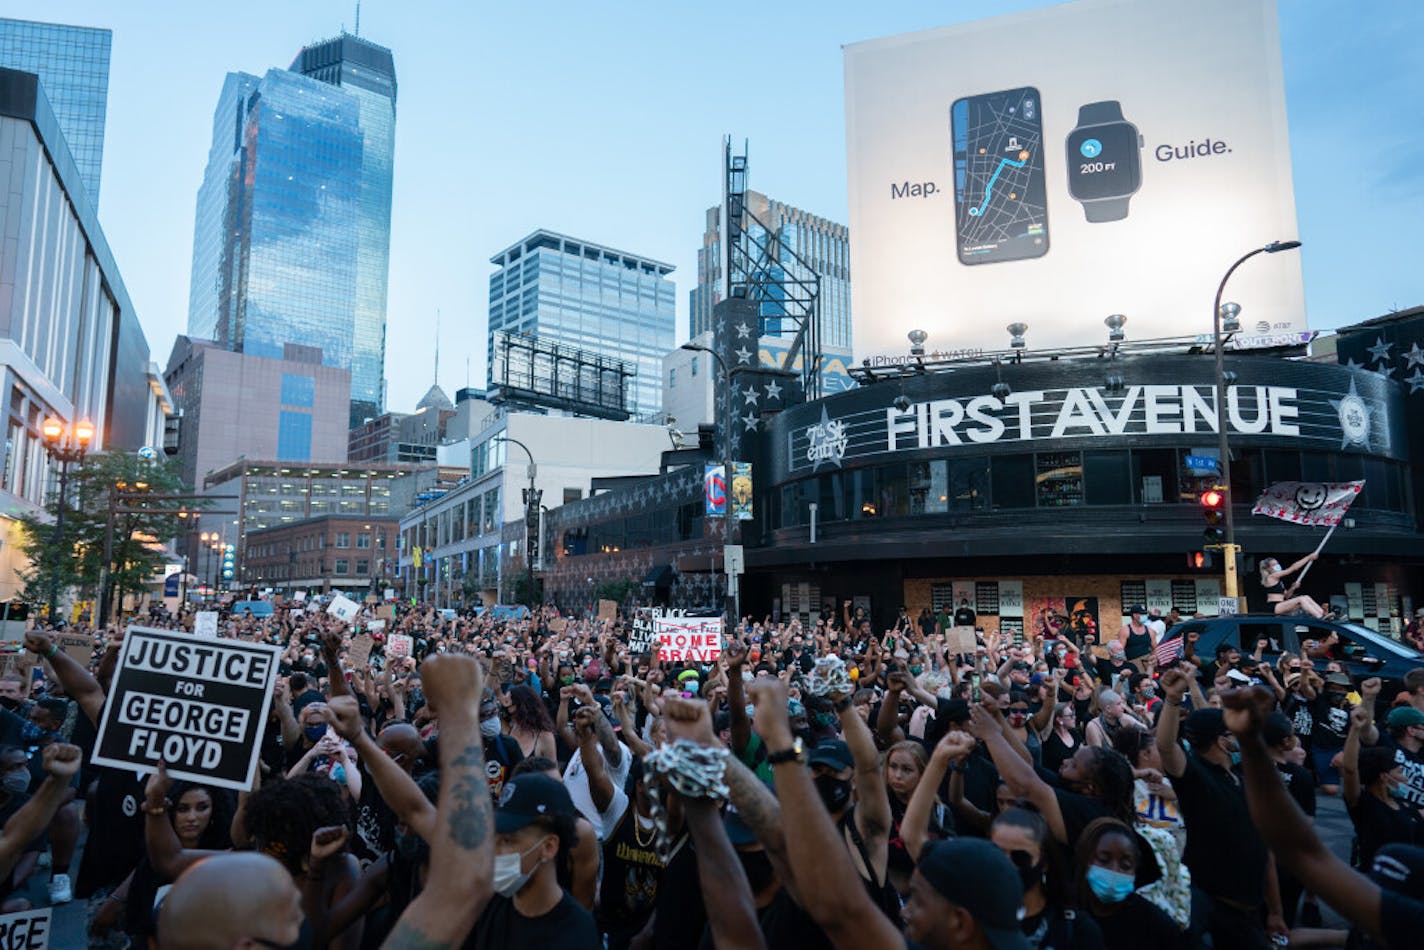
(462, 845)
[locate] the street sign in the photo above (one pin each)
(1227, 607)
(1207, 462)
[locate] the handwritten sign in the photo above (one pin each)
(78, 646)
(205, 623)
(688, 639)
(960, 640)
(358, 656)
(344, 607)
(607, 610)
(399, 646)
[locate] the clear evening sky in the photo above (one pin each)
(604, 121)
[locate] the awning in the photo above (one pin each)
(659, 576)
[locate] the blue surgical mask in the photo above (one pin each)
(1399, 791)
(1235, 758)
(1110, 887)
(314, 733)
(33, 734)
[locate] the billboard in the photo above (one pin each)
(1058, 166)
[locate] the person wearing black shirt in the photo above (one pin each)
(533, 824)
(1107, 865)
(1406, 738)
(1225, 853)
(1301, 785)
(964, 615)
(1374, 790)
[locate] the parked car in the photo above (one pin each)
(1361, 652)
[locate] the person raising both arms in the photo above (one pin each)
(1283, 599)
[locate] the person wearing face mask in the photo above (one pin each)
(1107, 860)
(13, 694)
(533, 823)
(1047, 924)
(1234, 885)
(1376, 794)
(502, 752)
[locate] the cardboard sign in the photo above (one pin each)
(21, 663)
(688, 639)
(79, 647)
(205, 623)
(299, 596)
(386, 612)
(374, 625)
(607, 610)
(359, 655)
(1226, 606)
(344, 607)
(399, 646)
(26, 930)
(199, 705)
(558, 625)
(372, 599)
(960, 640)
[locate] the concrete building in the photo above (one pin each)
(394, 437)
(689, 383)
(236, 405)
(70, 342)
(325, 553)
(594, 298)
(467, 545)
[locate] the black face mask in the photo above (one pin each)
(758, 869)
(9, 703)
(834, 792)
(1030, 874)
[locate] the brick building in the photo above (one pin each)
(328, 552)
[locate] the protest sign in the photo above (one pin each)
(372, 599)
(688, 639)
(299, 596)
(358, 656)
(205, 623)
(374, 625)
(399, 646)
(960, 640)
(558, 625)
(640, 636)
(607, 610)
(386, 612)
(20, 663)
(344, 607)
(258, 608)
(79, 647)
(390, 593)
(198, 705)
(26, 930)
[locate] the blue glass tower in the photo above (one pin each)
(591, 297)
(73, 65)
(291, 234)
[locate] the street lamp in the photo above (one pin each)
(66, 444)
(1230, 314)
(728, 524)
(532, 497)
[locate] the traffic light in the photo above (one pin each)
(1199, 561)
(1213, 503)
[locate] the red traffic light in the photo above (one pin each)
(1213, 498)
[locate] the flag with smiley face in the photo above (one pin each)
(1319, 504)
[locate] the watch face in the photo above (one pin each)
(1103, 161)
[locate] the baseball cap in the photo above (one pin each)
(527, 798)
(1400, 868)
(1137, 609)
(1337, 679)
(833, 754)
(1401, 717)
(977, 876)
(1276, 729)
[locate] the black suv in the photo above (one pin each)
(1361, 651)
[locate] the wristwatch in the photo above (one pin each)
(796, 753)
(1104, 161)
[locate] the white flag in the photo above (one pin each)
(1321, 504)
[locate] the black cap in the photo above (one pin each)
(1137, 609)
(1276, 729)
(527, 798)
(977, 876)
(833, 754)
(739, 833)
(1203, 725)
(1400, 868)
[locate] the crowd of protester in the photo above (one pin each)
(534, 782)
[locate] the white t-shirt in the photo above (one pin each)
(576, 781)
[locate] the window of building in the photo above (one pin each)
(693, 365)
(343, 539)
(1059, 479)
(1154, 476)
(363, 567)
(363, 540)
(672, 377)
(341, 566)
(298, 390)
(294, 436)
(968, 484)
(1013, 481)
(1107, 478)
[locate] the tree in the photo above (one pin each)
(78, 557)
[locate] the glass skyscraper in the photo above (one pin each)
(291, 235)
(73, 65)
(595, 298)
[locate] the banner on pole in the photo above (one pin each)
(714, 490)
(688, 639)
(1319, 504)
(742, 491)
(198, 705)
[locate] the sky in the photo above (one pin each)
(605, 121)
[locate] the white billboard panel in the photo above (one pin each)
(1058, 166)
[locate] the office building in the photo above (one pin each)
(291, 230)
(71, 345)
(689, 396)
(403, 436)
(73, 65)
(355, 554)
(821, 243)
(598, 299)
(290, 408)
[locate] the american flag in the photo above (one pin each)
(1168, 650)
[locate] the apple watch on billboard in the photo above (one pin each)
(1104, 161)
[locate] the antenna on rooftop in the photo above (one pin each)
(358, 17)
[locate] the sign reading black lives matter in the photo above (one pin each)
(198, 704)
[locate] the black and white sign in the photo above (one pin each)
(198, 705)
(26, 930)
